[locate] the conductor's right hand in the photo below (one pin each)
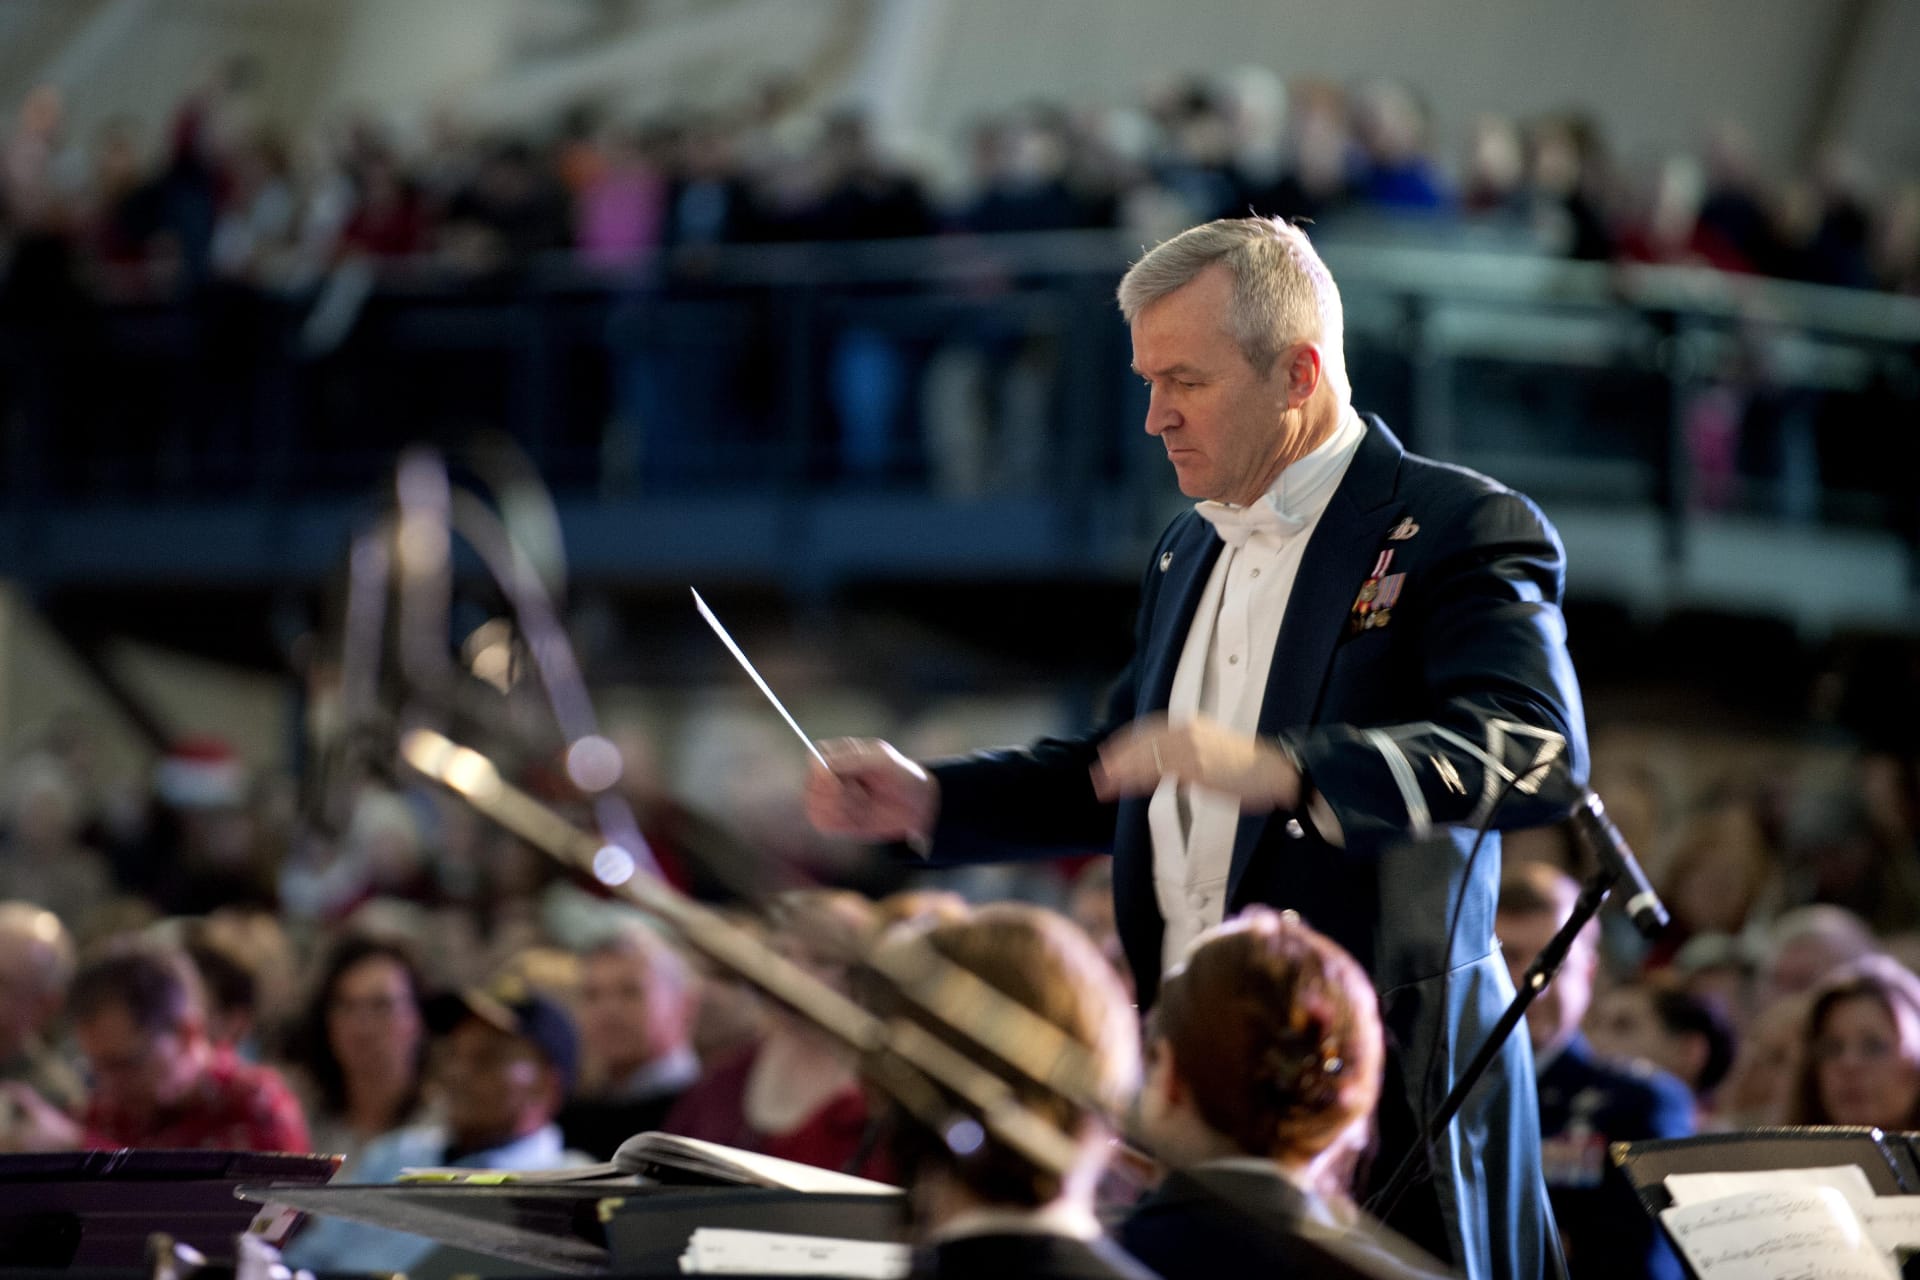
(870, 791)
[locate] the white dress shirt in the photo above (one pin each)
(1223, 674)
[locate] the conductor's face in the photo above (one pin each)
(1225, 425)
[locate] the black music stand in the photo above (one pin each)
(1887, 1160)
(72, 1210)
(598, 1226)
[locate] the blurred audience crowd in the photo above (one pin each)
(222, 191)
(188, 966)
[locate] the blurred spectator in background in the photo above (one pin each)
(139, 1017)
(730, 1018)
(1766, 1068)
(202, 847)
(36, 965)
(511, 210)
(1824, 224)
(1714, 969)
(1860, 1049)
(1586, 1101)
(1319, 181)
(259, 221)
(620, 208)
(505, 1061)
(1896, 245)
(32, 196)
(44, 859)
(1665, 228)
(382, 854)
(1254, 101)
(1833, 851)
(361, 1045)
(1719, 868)
(1569, 180)
(1493, 180)
(636, 1022)
(232, 994)
(1662, 1025)
(1399, 174)
(1197, 153)
(1806, 944)
(1019, 178)
(389, 217)
(1733, 231)
(797, 1093)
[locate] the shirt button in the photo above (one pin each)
(1254, 574)
(1233, 659)
(1294, 829)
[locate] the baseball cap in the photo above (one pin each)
(510, 1005)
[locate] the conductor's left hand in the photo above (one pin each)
(1200, 751)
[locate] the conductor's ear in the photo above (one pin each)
(1303, 371)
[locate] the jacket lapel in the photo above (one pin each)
(1189, 556)
(1344, 547)
(1194, 552)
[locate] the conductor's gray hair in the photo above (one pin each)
(1282, 291)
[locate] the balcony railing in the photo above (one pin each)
(835, 402)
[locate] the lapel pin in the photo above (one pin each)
(1404, 530)
(1166, 561)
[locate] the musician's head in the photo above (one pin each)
(1535, 900)
(1266, 1042)
(1045, 963)
(1238, 331)
(139, 1017)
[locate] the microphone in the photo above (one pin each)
(1594, 829)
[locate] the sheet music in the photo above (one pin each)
(718, 1251)
(1810, 1234)
(1848, 1179)
(1893, 1222)
(735, 1165)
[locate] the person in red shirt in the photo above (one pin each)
(795, 1095)
(157, 1080)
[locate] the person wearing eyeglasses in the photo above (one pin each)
(361, 1045)
(1862, 1041)
(156, 1079)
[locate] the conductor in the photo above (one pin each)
(1346, 658)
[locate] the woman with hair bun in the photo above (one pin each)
(1265, 1056)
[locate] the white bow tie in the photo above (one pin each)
(1236, 524)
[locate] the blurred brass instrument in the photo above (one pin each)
(938, 1084)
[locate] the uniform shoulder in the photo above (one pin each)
(1445, 495)
(1638, 1076)
(1449, 482)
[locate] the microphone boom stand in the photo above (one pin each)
(1532, 983)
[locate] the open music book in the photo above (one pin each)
(1788, 1224)
(666, 1156)
(672, 1159)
